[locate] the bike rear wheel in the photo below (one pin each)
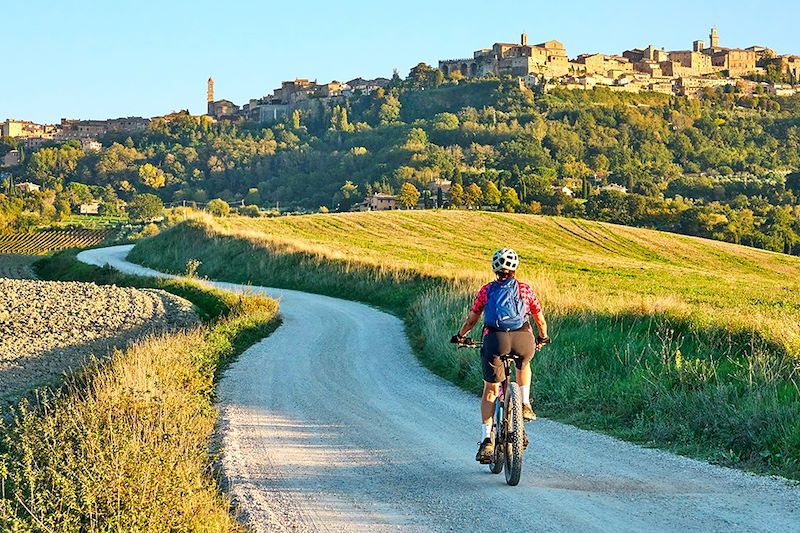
(498, 459)
(514, 435)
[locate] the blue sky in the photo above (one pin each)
(103, 59)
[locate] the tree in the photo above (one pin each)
(253, 197)
(445, 121)
(474, 195)
(218, 207)
(416, 141)
(491, 194)
(339, 121)
(457, 196)
(424, 76)
(151, 176)
(347, 195)
(389, 112)
(509, 201)
(144, 207)
(409, 195)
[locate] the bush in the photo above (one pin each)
(143, 207)
(218, 207)
(250, 211)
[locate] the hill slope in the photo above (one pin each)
(682, 342)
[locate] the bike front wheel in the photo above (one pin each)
(514, 434)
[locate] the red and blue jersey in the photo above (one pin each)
(529, 298)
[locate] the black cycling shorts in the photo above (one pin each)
(520, 343)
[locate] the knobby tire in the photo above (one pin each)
(515, 428)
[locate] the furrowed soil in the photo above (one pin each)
(48, 327)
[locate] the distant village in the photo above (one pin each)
(680, 72)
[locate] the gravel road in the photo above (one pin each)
(48, 327)
(331, 424)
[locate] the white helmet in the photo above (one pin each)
(505, 259)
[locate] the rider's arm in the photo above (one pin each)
(541, 324)
(472, 319)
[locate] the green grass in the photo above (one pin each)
(92, 221)
(672, 341)
(124, 445)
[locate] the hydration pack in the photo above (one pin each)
(505, 310)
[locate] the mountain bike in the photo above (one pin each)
(508, 426)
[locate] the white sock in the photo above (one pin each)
(486, 431)
(526, 393)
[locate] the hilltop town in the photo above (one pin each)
(679, 72)
(544, 65)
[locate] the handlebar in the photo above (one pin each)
(469, 343)
(472, 343)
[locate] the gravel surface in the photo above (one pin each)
(48, 327)
(17, 266)
(331, 424)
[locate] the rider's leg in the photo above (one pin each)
(493, 374)
(490, 392)
(524, 382)
(523, 343)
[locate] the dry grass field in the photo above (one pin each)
(670, 340)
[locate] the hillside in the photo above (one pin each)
(677, 341)
(724, 166)
(618, 267)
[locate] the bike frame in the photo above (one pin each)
(509, 446)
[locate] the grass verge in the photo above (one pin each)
(647, 371)
(124, 446)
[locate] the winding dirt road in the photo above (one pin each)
(331, 424)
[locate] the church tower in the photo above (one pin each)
(714, 37)
(210, 95)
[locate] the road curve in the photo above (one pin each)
(331, 424)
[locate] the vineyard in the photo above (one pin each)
(40, 242)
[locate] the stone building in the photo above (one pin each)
(377, 202)
(25, 128)
(515, 59)
(223, 109)
(601, 64)
(28, 187)
(89, 129)
(651, 54)
(692, 62)
(735, 61)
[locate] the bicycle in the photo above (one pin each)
(508, 427)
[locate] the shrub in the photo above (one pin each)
(218, 207)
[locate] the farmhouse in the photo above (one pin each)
(90, 208)
(27, 186)
(378, 202)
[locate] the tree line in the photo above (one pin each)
(723, 165)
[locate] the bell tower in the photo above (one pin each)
(210, 95)
(714, 38)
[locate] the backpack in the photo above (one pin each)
(504, 310)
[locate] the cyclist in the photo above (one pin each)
(519, 341)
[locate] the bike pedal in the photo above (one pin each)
(485, 461)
